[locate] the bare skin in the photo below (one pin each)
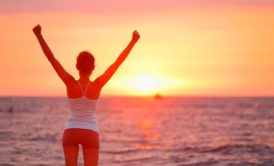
(74, 91)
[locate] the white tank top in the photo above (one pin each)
(82, 112)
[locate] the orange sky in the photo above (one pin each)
(186, 48)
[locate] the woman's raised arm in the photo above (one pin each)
(65, 76)
(104, 78)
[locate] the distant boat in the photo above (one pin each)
(157, 96)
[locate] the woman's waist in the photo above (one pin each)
(81, 130)
(82, 125)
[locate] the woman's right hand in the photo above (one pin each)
(37, 29)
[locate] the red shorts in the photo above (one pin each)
(85, 137)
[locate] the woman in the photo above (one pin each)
(81, 127)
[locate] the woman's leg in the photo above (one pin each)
(91, 156)
(71, 155)
(90, 143)
(71, 147)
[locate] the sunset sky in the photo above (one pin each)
(187, 47)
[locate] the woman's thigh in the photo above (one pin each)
(90, 143)
(71, 148)
(91, 156)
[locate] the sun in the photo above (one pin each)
(146, 84)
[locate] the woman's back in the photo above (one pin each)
(75, 89)
(81, 127)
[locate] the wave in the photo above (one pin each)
(121, 151)
(138, 160)
(127, 151)
(227, 149)
(238, 148)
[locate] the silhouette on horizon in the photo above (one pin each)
(82, 127)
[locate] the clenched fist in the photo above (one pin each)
(37, 29)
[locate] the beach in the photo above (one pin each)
(142, 131)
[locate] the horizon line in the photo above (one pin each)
(144, 96)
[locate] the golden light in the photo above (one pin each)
(146, 84)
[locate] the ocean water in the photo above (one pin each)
(135, 131)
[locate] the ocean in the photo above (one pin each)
(141, 131)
